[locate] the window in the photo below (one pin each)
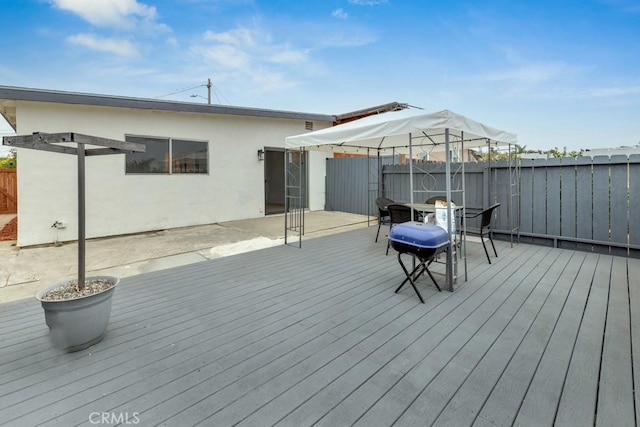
(168, 156)
(189, 156)
(153, 160)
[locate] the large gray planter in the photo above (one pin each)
(79, 323)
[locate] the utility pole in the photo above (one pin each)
(208, 91)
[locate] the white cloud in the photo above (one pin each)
(241, 36)
(225, 56)
(367, 2)
(556, 81)
(629, 6)
(259, 61)
(341, 39)
(288, 56)
(271, 81)
(104, 13)
(530, 74)
(607, 92)
(250, 58)
(340, 14)
(104, 44)
(242, 47)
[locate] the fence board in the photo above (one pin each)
(526, 196)
(619, 203)
(568, 202)
(502, 188)
(634, 200)
(554, 173)
(601, 185)
(474, 185)
(397, 179)
(348, 183)
(8, 191)
(539, 197)
(583, 203)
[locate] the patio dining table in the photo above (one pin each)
(427, 208)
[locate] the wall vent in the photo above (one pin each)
(308, 125)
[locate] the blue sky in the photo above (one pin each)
(557, 73)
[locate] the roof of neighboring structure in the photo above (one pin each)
(592, 152)
(9, 95)
(359, 114)
(617, 151)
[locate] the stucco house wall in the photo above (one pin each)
(119, 203)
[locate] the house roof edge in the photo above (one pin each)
(78, 98)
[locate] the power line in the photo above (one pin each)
(208, 85)
(178, 91)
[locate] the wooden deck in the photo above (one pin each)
(295, 337)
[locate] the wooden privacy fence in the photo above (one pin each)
(580, 203)
(353, 185)
(8, 191)
(583, 203)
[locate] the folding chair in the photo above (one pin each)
(383, 212)
(485, 227)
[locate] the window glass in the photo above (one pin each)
(189, 156)
(154, 160)
(186, 156)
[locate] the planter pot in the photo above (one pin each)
(78, 323)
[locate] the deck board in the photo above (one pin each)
(428, 406)
(507, 395)
(615, 393)
(541, 401)
(294, 337)
(577, 404)
(391, 405)
(467, 403)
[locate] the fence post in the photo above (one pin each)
(8, 191)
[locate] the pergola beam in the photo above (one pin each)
(50, 141)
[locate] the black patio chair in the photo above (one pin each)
(485, 227)
(383, 213)
(398, 214)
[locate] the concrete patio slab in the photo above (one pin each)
(24, 271)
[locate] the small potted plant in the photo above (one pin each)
(77, 311)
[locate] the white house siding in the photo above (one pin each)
(117, 203)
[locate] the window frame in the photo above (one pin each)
(170, 141)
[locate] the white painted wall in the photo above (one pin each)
(120, 204)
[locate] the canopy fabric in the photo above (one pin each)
(409, 132)
(396, 130)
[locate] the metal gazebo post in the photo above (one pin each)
(450, 269)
